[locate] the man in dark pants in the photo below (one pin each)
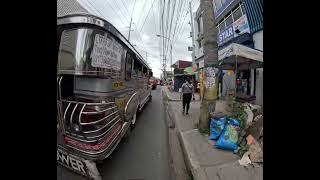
(187, 91)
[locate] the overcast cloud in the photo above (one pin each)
(146, 26)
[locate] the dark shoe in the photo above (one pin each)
(187, 113)
(182, 111)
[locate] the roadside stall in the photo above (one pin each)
(191, 73)
(240, 59)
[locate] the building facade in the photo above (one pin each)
(198, 39)
(241, 22)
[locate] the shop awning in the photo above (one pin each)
(245, 57)
(189, 70)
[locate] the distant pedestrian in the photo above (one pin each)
(187, 91)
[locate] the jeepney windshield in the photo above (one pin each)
(89, 52)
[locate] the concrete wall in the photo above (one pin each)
(198, 52)
(259, 87)
(258, 40)
(258, 44)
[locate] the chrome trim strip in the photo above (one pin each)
(97, 112)
(61, 77)
(74, 109)
(129, 101)
(65, 112)
(89, 104)
(97, 130)
(80, 115)
(74, 136)
(95, 122)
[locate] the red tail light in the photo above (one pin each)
(86, 118)
(96, 146)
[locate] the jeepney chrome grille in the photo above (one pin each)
(94, 120)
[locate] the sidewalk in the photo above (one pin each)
(205, 161)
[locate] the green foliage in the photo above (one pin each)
(204, 131)
(239, 114)
(243, 148)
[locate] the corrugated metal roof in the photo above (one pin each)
(254, 11)
(68, 7)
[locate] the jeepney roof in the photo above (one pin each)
(68, 9)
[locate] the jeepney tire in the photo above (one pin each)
(99, 165)
(133, 125)
(127, 134)
(150, 98)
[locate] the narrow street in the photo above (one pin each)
(145, 156)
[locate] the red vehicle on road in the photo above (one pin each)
(153, 83)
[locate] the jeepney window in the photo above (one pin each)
(129, 61)
(91, 52)
(137, 69)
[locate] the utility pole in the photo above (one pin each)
(130, 29)
(171, 59)
(192, 31)
(209, 80)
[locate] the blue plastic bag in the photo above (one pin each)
(229, 137)
(216, 127)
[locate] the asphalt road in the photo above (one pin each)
(145, 156)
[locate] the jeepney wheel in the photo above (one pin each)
(133, 122)
(127, 134)
(99, 165)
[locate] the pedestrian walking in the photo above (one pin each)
(187, 91)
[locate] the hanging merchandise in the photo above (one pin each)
(229, 72)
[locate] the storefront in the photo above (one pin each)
(238, 63)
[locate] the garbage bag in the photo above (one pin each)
(229, 137)
(216, 127)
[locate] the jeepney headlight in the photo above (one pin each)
(76, 128)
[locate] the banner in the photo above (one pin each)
(241, 25)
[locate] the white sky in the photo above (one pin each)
(145, 27)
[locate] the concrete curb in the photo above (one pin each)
(192, 164)
(177, 161)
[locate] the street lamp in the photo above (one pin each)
(158, 35)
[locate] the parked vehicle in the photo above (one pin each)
(102, 82)
(153, 83)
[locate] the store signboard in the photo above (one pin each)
(242, 25)
(237, 28)
(226, 35)
(223, 7)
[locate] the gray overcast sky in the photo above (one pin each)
(146, 25)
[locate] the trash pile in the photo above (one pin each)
(242, 132)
